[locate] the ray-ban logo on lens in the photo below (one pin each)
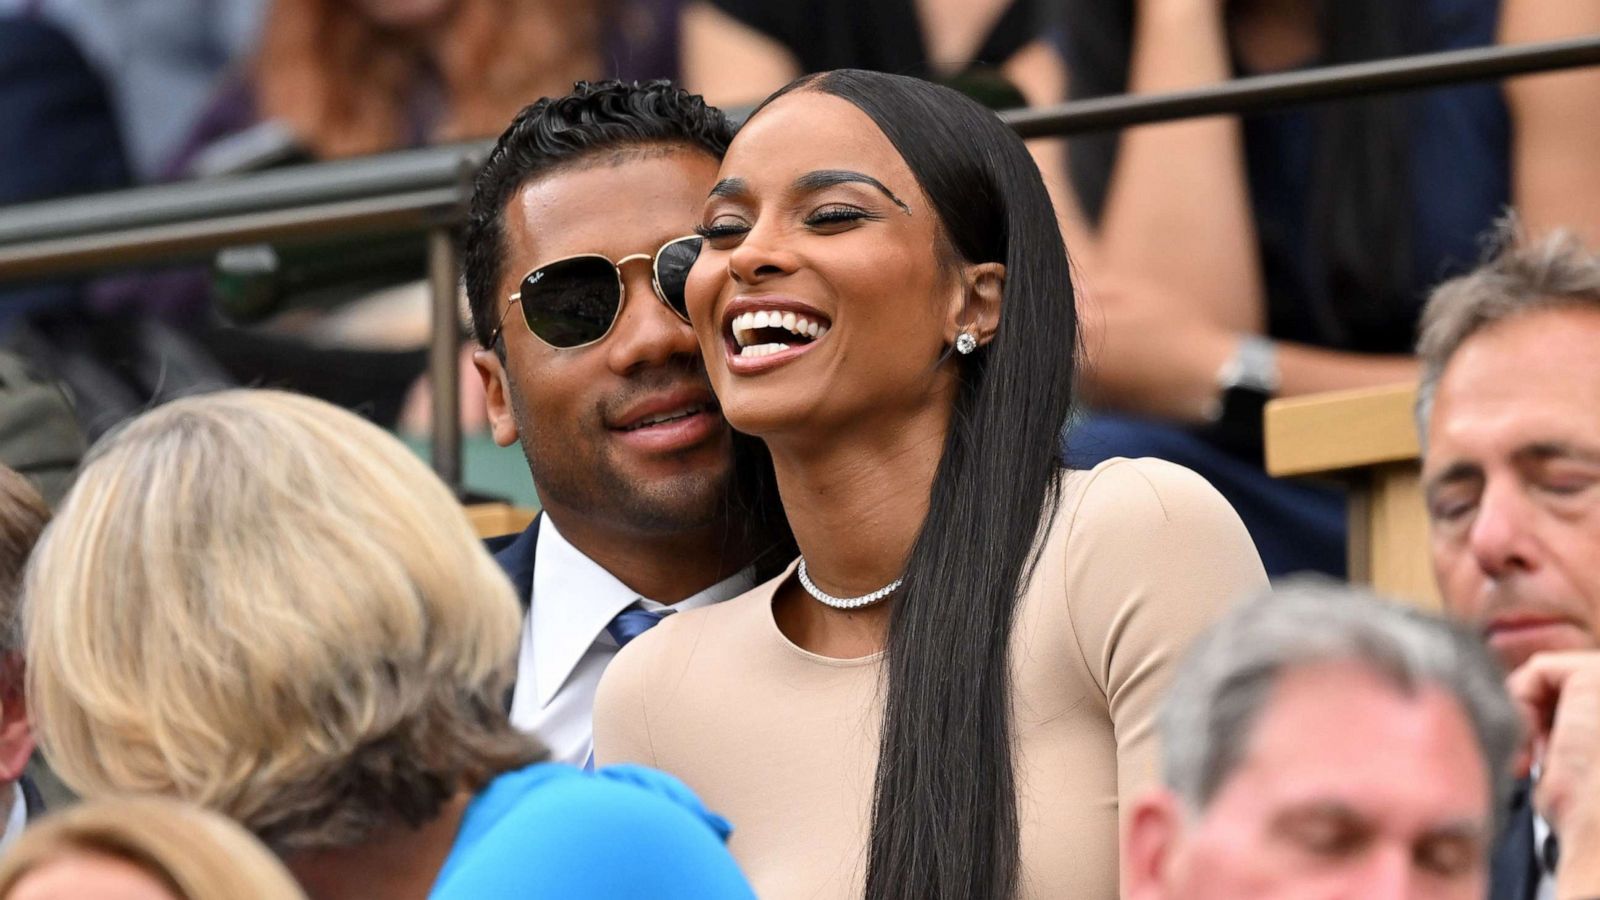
(536, 277)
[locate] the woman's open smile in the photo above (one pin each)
(765, 331)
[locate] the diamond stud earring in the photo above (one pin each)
(966, 343)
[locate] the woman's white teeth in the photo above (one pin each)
(746, 323)
(762, 350)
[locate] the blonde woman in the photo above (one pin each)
(263, 604)
(142, 849)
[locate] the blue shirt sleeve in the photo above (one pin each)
(624, 832)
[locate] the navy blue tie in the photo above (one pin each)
(632, 622)
(629, 624)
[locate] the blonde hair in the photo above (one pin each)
(195, 854)
(266, 605)
(342, 84)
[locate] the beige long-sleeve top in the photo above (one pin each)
(1141, 556)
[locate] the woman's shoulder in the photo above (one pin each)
(1126, 520)
(1134, 493)
(610, 833)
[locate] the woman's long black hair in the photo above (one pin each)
(944, 814)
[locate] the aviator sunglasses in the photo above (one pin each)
(574, 301)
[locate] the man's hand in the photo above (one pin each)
(1559, 695)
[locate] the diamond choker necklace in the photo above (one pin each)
(828, 599)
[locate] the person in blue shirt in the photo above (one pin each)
(263, 604)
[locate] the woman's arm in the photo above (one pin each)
(729, 62)
(1151, 355)
(1155, 556)
(1150, 352)
(1178, 209)
(1555, 121)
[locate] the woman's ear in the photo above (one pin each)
(976, 307)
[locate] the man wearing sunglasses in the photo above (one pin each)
(575, 256)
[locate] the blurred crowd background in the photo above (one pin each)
(1320, 229)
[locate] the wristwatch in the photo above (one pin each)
(1244, 385)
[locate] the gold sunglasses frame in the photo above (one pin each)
(622, 291)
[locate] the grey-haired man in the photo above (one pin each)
(1510, 417)
(1324, 743)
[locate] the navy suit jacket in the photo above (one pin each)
(514, 553)
(30, 798)
(1514, 866)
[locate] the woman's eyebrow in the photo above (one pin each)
(730, 187)
(822, 178)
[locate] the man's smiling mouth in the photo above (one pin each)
(668, 416)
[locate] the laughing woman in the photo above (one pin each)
(953, 690)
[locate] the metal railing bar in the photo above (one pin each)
(30, 228)
(196, 240)
(406, 171)
(1262, 92)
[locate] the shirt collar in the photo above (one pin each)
(1541, 829)
(573, 600)
(18, 818)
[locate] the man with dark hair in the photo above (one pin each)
(23, 516)
(1509, 411)
(576, 251)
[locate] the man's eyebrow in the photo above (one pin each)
(730, 187)
(822, 178)
(1460, 829)
(1317, 809)
(1556, 450)
(1455, 473)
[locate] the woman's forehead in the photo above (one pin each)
(810, 131)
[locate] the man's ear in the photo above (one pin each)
(16, 734)
(975, 308)
(497, 397)
(1150, 837)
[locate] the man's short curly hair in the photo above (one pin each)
(597, 120)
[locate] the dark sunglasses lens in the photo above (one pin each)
(672, 272)
(571, 302)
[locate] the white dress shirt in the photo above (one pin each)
(565, 646)
(16, 820)
(1541, 833)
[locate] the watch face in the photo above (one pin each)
(1254, 365)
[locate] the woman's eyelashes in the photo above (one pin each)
(724, 230)
(720, 231)
(833, 216)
